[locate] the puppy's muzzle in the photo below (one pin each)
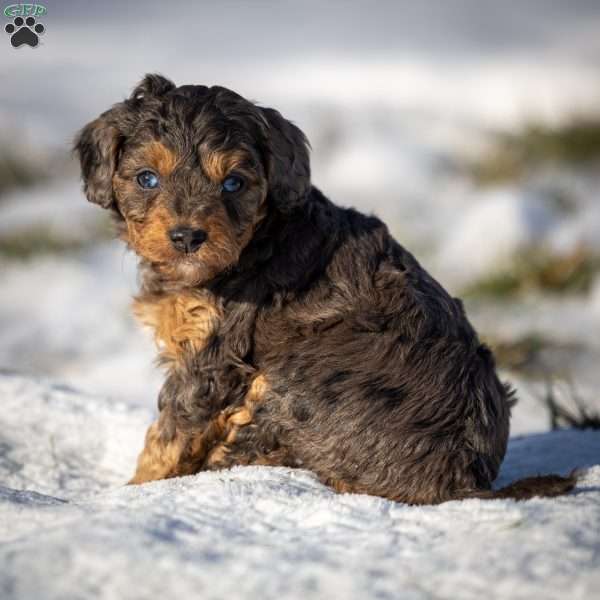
(186, 239)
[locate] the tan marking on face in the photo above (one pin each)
(182, 322)
(222, 247)
(160, 158)
(123, 188)
(217, 164)
(150, 238)
(147, 225)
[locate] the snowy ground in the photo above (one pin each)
(70, 529)
(394, 100)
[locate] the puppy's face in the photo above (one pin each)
(191, 172)
(190, 197)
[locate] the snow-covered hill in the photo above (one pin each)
(70, 529)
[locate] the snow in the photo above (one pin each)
(493, 231)
(55, 205)
(78, 324)
(394, 100)
(70, 528)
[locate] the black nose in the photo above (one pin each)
(186, 239)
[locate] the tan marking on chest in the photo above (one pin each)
(182, 322)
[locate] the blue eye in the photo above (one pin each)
(147, 180)
(233, 183)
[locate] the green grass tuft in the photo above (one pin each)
(42, 240)
(16, 173)
(540, 271)
(576, 143)
(36, 242)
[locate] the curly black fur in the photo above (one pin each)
(376, 380)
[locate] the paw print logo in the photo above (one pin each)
(24, 32)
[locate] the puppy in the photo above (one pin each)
(293, 332)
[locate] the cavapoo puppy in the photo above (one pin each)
(293, 331)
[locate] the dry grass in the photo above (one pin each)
(41, 240)
(541, 271)
(521, 354)
(577, 416)
(576, 143)
(15, 172)
(536, 355)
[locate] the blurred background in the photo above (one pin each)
(471, 127)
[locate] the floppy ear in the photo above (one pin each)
(288, 163)
(99, 142)
(97, 146)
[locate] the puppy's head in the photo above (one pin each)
(190, 172)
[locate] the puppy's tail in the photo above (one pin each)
(545, 486)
